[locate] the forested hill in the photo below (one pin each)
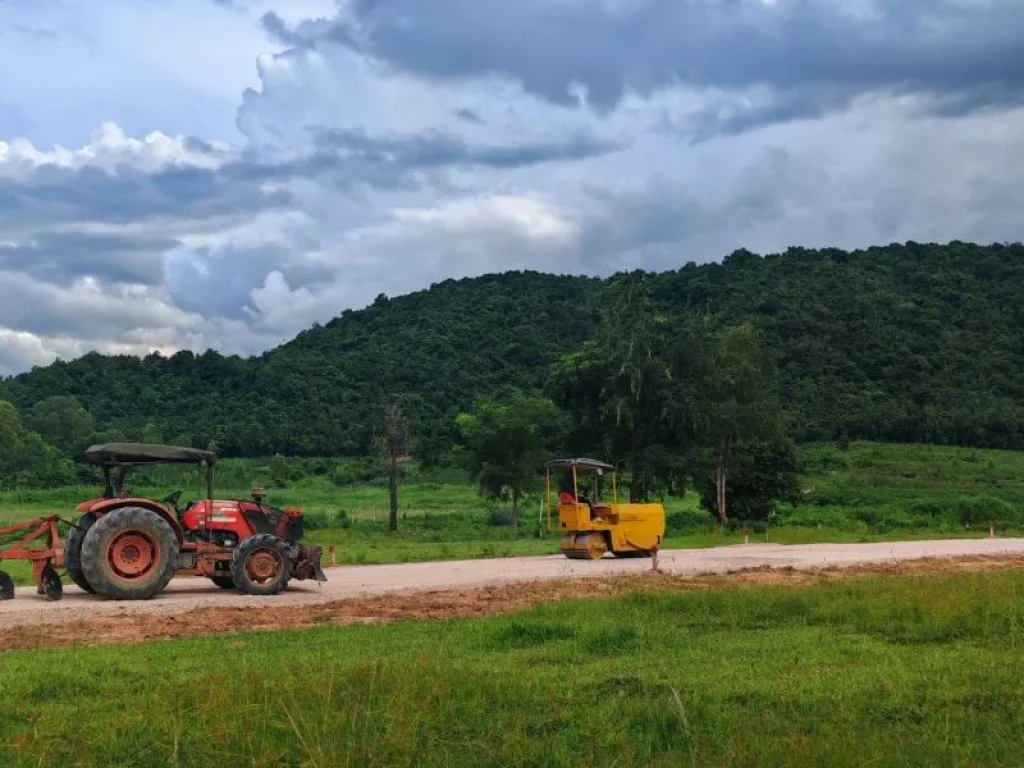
(903, 343)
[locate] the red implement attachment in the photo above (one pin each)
(47, 555)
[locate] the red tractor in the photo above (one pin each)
(129, 548)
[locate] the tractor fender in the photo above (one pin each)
(101, 507)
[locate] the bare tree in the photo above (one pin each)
(393, 446)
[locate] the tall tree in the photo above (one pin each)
(740, 406)
(393, 447)
(506, 440)
(760, 474)
(630, 389)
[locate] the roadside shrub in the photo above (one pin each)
(500, 518)
(682, 521)
(931, 510)
(280, 471)
(316, 521)
(979, 510)
(355, 471)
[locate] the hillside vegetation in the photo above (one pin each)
(909, 343)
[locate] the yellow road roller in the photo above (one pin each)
(592, 524)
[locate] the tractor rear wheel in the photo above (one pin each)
(73, 556)
(6, 586)
(130, 554)
(260, 565)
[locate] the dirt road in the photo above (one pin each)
(187, 594)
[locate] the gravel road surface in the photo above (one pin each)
(186, 594)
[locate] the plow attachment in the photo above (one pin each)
(40, 544)
(306, 564)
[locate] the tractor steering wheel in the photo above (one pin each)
(173, 499)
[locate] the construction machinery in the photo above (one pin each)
(591, 524)
(129, 548)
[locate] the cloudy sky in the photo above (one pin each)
(185, 174)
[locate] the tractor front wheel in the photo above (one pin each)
(130, 554)
(260, 565)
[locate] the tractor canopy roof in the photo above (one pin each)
(131, 454)
(581, 465)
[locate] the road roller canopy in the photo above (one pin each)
(580, 465)
(134, 454)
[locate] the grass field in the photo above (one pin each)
(868, 492)
(903, 670)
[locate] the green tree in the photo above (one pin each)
(279, 470)
(506, 441)
(393, 447)
(739, 408)
(630, 391)
(761, 474)
(10, 435)
(26, 457)
(63, 422)
(152, 433)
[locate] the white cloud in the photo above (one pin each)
(109, 148)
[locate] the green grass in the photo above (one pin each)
(899, 671)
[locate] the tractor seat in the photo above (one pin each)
(566, 498)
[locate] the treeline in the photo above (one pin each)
(678, 403)
(42, 447)
(904, 343)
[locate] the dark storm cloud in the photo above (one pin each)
(438, 149)
(60, 258)
(732, 120)
(52, 194)
(276, 29)
(469, 116)
(969, 52)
